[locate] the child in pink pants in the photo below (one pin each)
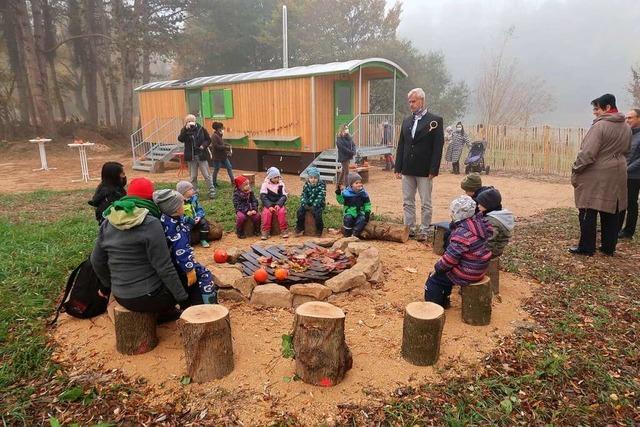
(273, 196)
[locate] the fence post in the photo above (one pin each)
(546, 141)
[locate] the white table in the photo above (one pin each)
(43, 154)
(82, 149)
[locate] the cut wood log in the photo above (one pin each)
(422, 332)
(378, 230)
(439, 232)
(206, 335)
(310, 224)
(321, 353)
(215, 233)
(135, 331)
(476, 303)
(494, 275)
(275, 225)
(248, 228)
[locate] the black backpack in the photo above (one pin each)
(81, 297)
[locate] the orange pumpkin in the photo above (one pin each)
(281, 274)
(260, 275)
(220, 256)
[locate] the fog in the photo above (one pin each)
(581, 48)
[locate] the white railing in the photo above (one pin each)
(157, 131)
(371, 130)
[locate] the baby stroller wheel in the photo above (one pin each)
(487, 169)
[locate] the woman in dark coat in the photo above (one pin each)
(110, 189)
(221, 153)
(346, 151)
(196, 152)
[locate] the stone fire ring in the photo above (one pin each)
(233, 285)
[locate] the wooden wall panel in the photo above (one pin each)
(161, 104)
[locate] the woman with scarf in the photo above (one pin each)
(131, 256)
(458, 140)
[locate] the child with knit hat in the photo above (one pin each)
(357, 205)
(502, 220)
(467, 256)
(312, 199)
(246, 206)
(472, 185)
(273, 195)
(194, 212)
(176, 230)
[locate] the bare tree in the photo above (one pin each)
(508, 96)
(634, 85)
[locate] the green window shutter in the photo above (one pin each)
(228, 103)
(206, 104)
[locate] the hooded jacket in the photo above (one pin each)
(313, 195)
(103, 197)
(355, 203)
(132, 258)
(502, 224)
(244, 201)
(467, 256)
(273, 194)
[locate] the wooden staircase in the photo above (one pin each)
(155, 142)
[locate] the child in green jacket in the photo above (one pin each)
(313, 197)
(357, 205)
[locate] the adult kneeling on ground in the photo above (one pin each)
(131, 255)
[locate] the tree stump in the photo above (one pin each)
(206, 335)
(378, 230)
(494, 275)
(476, 303)
(440, 229)
(215, 233)
(251, 177)
(135, 331)
(275, 225)
(248, 228)
(310, 224)
(421, 333)
(321, 353)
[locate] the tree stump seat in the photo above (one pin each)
(422, 332)
(135, 331)
(494, 275)
(476, 303)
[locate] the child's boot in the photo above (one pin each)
(299, 233)
(264, 235)
(204, 243)
(211, 298)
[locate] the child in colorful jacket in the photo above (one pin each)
(194, 212)
(273, 196)
(171, 204)
(313, 198)
(357, 205)
(246, 206)
(467, 256)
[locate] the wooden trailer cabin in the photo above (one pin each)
(286, 118)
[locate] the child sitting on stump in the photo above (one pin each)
(313, 197)
(357, 205)
(467, 256)
(171, 204)
(193, 212)
(273, 195)
(502, 220)
(246, 206)
(472, 185)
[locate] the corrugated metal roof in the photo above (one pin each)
(280, 73)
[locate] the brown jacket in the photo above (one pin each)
(599, 174)
(219, 147)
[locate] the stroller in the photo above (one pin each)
(475, 158)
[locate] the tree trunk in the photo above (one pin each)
(90, 63)
(39, 38)
(25, 105)
(79, 56)
(321, 353)
(310, 224)
(135, 332)
(50, 42)
(422, 332)
(115, 101)
(378, 230)
(476, 303)
(206, 335)
(105, 95)
(146, 65)
(494, 275)
(438, 239)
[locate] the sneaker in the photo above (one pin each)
(241, 235)
(204, 243)
(412, 232)
(422, 237)
(264, 235)
(299, 233)
(285, 234)
(623, 235)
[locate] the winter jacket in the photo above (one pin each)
(219, 147)
(177, 233)
(420, 155)
(599, 174)
(314, 195)
(196, 143)
(193, 210)
(633, 161)
(355, 204)
(346, 148)
(244, 202)
(103, 197)
(502, 224)
(467, 256)
(273, 194)
(454, 150)
(132, 258)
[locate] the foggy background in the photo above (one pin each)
(581, 48)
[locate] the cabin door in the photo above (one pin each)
(343, 103)
(194, 103)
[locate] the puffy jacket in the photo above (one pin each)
(244, 202)
(354, 203)
(313, 195)
(502, 224)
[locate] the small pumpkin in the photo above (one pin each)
(220, 256)
(281, 274)
(260, 275)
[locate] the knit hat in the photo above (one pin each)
(169, 201)
(313, 171)
(490, 199)
(353, 177)
(183, 186)
(141, 187)
(240, 181)
(471, 182)
(272, 172)
(462, 207)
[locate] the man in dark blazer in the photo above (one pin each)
(418, 161)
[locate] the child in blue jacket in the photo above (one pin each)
(194, 212)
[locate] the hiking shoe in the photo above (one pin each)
(241, 235)
(264, 236)
(285, 234)
(299, 233)
(204, 243)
